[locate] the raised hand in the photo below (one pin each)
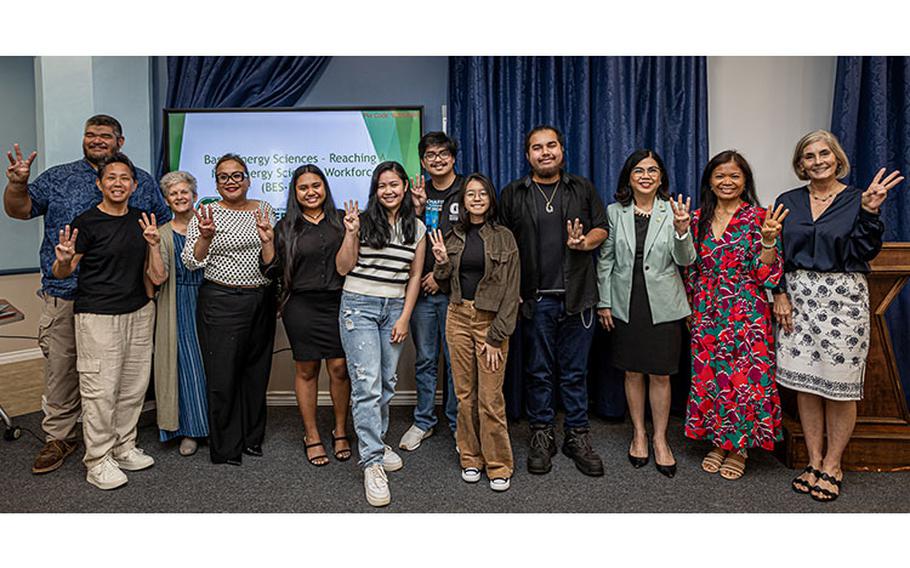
(150, 230)
(264, 227)
(66, 246)
(493, 355)
(681, 217)
(774, 222)
(352, 216)
(439, 246)
(418, 192)
(206, 222)
(19, 169)
(877, 191)
(576, 232)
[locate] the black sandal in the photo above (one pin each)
(828, 495)
(802, 486)
(313, 459)
(343, 454)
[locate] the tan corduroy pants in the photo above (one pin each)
(114, 360)
(482, 433)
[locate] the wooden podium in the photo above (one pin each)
(881, 440)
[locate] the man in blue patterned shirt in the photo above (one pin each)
(60, 194)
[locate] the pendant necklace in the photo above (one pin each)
(548, 201)
(314, 218)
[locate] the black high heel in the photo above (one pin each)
(639, 462)
(668, 470)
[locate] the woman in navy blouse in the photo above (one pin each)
(822, 305)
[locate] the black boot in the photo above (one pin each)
(542, 448)
(577, 445)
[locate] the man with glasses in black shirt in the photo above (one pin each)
(559, 223)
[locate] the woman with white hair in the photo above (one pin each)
(822, 304)
(179, 374)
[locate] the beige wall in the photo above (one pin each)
(20, 290)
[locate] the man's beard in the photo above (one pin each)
(547, 172)
(96, 159)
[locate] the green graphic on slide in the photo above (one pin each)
(395, 135)
(175, 123)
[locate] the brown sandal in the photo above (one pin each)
(734, 466)
(713, 460)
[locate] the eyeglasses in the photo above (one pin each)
(475, 194)
(235, 176)
(443, 155)
(639, 172)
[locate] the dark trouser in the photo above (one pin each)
(236, 328)
(556, 347)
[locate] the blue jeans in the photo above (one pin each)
(428, 329)
(366, 334)
(556, 347)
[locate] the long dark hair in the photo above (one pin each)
(375, 230)
(709, 200)
(624, 193)
(464, 218)
(293, 223)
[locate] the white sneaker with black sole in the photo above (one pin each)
(411, 439)
(376, 486)
(390, 460)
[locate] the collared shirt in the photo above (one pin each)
(62, 193)
(518, 212)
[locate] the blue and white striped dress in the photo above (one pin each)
(192, 402)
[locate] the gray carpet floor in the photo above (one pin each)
(283, 481)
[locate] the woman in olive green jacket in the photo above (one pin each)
(478, 265)
(642, 296)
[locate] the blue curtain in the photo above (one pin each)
(606, 107)
(871, 118)
(238, 82)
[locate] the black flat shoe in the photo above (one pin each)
(638, 462)
(668, 470)
(255, 451)
(233, 461)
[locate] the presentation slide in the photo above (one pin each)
(346, 144)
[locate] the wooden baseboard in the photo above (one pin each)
(287, 398)
(873, 447)
(20, 355)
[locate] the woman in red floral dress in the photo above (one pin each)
(733, 401)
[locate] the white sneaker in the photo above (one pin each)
(376, 486)
(470, 474)
(391, 461)
(134, 460)
(188, 446)
(412, 438)
(106, 475)
(500, 483)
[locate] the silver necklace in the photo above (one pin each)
(640, 211)
(316, 218)
(549, 201)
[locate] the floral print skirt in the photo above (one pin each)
(825, 354)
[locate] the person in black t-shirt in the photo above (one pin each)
(437, 206)
(549, 211)
(114, 316)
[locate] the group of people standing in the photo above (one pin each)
(452, 263)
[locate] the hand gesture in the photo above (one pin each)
(774, 222)
(418, 192)
(66, 247)
(681, 217)
(352, 217)
(439, 246)
(400, 331)
(428, 283)
(19, 169)
(606, 317)
(264, 227)
(877, 191)
(150, 230)
(576, 232)
(783, 312)
(493, 355)
(206, 222)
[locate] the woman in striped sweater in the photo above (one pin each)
(382, 258)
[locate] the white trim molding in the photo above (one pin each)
(21, 355)
(287, 398)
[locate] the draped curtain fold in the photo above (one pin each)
(606, 107)
(238, 82)
(871, 118)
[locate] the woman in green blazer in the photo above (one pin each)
(642, 296)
